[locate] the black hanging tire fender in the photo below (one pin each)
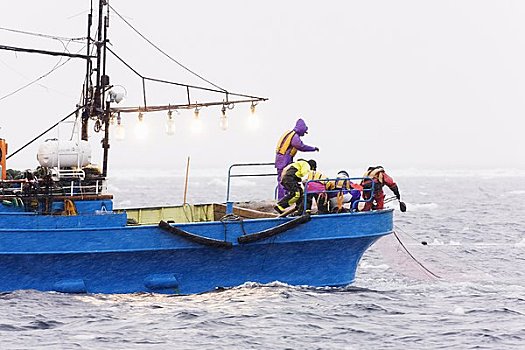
(193, 237)
(254, 237)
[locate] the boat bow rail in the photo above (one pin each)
(355, 204)
(229, 203)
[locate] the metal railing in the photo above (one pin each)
(371, 190)
(335, 180)
(229, 204)
(72, 188)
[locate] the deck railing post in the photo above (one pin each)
(229, 207)
(229, 203)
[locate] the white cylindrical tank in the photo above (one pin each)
(64, 154)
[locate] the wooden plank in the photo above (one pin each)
(219, 211)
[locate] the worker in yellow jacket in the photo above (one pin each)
(291, 181)
(316, 187)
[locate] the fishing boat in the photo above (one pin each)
(60, 232)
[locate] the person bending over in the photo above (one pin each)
(379, 178)
(291, 181)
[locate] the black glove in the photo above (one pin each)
(316, 149)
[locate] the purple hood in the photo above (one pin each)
(282, 160)
(300, 127)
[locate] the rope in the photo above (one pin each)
(45, 132)
(413, 258)
(441, 251)
(191, 211)
(69, 208)
(389, 199)
(232, 217)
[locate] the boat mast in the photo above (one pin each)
(98, 107)
(87, 83)
(107, 112)
(95, 105)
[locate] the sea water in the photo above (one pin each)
(451, 278)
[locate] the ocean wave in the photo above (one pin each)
(421, 206)
(397, 172)
(458, 310)
(444, 173)
(518, 192)
(520, 244)
(366, 265)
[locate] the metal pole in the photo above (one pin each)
(107, 110)
(186, 180)
(88, 62)
(44, 52)
(105, 141)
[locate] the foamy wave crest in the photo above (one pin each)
(521, 243)
(436, 242)
(421, 206)
(216, 182)
(248, 285)
(365, 265)
(458, 310)
(245, 183)
(483, 173)
(519, 192)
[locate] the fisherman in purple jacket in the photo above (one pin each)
(287, 147)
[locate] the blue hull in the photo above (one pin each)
(324, 251)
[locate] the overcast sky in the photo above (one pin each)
(405, 84)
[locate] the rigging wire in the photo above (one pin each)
(55, 67)
(47, 88)
(144, 78)
(45, 132)
(61, 38)
(34, 81)
(78, 14)
(163, 52)
(19, 73)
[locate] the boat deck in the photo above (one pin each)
(197, 213)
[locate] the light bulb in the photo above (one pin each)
(170, 124)
(196, 125)
(253, 119)
(196, 113)
(120, 132)
(141, 129)
(223, 122)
